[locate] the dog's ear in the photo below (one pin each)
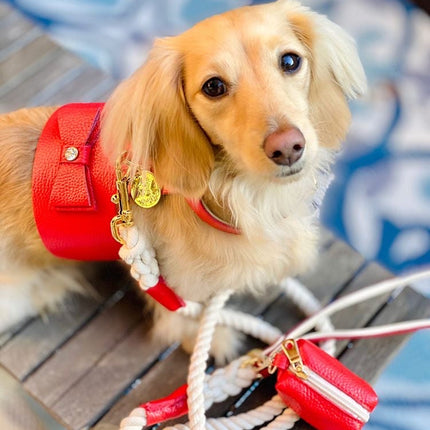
(148, 117)
(336, 73)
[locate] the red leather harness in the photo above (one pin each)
(73, 182)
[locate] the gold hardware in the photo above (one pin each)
(291, 350)
(256, 359)
(121, 199)
(145, 191)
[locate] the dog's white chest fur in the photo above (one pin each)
(279, 238)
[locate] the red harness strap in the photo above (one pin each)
(73, 182)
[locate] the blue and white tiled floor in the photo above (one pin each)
(380, 201)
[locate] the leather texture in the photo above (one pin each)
(167, 408)
(309, 404)
(72, 198)
(164, 295)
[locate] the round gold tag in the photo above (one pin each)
(145, 191)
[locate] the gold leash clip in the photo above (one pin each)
(261, 362)
(121, 199)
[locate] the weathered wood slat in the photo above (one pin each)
(359, 315)
(165, 377)
(80, 88)
(14, 28)
(93, 395)
(368, 357)
(48, 79)
(173, 369)
(22, 64)
(5, 10)
(68, 365)
(36, 342)
(30, 344)
(336, 266)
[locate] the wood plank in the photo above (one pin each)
(45, 82)
(22, 64)
(165, 377)
(359, 315)
(81, 88)
(32, 343)
(15, 32)
(36, 342)
(76, 357)
(5, 10)
(92, 396)
(368, 357)
(336, 266)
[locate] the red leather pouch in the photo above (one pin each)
(320, 389)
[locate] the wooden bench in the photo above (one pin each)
(94, 361)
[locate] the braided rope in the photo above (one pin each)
(237, 320)
(204, 390)
(196, 373)
(274, 407)
(139, 254)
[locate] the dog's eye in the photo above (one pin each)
(214, 87)
(290, 63)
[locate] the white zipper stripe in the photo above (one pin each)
(335, 395)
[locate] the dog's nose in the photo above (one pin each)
(285, 147)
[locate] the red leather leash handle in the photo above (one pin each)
(73, 182)
(164, 295)
(170, 407)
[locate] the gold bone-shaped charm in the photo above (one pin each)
(145, 191)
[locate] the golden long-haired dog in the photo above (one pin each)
(243, 111)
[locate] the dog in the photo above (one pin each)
(244, 111)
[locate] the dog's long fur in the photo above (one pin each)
(211, 148)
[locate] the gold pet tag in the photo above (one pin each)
(145, 191)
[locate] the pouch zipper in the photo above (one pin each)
(327, 390)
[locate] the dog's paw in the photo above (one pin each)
(170, 327)
(226, 344)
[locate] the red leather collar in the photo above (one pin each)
(209, 218)
(73, 182)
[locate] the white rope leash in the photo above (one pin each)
(204, 390)
(196, 373)
(139, 254)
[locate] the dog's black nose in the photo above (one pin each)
(285, 147)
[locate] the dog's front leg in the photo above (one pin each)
(172, 327)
